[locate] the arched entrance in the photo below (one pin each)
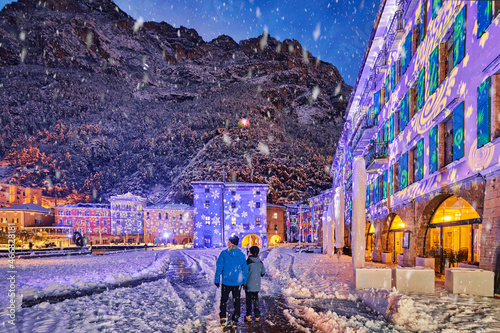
(185, 241)
(275, 239)
(370, 241)
(453, 234)
(251, 240)
(394, 242)
(207, 240)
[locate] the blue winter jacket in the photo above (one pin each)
(233, 267)
(255, 272)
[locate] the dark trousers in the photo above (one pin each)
(236, 291)
(252, 298)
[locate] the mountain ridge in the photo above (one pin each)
(95, 102)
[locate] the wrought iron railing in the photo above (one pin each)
(376, 151)
(370, 120)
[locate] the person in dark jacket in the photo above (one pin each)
(232, 266)
(256, 271)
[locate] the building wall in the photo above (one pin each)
(276, 222)
(25, 219)
(127, 215)
(178, 223)
(318, 205)
(417, 150)
(11, 195)
(88, 219)
(232, 209)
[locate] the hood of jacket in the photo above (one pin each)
(253, 259)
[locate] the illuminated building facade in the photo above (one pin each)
(11, 195)
(127, 216)
(299, 228)
(90, 219)
(318, 209)
(223, 209)
(276, 226)
(169, 223)
(425, 117)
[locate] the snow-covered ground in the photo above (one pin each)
(317, 291)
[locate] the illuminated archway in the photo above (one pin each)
(369, 236)
(275, 239)
(251, 240)
(453, 234)
(394, 241)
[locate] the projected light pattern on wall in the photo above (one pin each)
(433, 99)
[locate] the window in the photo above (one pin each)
(68, 212)
(413, 97)
(436, 6)
(393, 77)
(404, 112)
(175, 231)
(453, 136)
(403, 171)
(207, 204)
(233, 192)
(421, 89)
(147, 215)
(182, 231)
(418, 161)
(406, 53)
(104, 230)
(275, 227)
(257, 220)
(448, 141)
(207, 220)
(384, 184)
(376, 103)
(380, 181)
(104, 222)
(257, 193)
(87, 222)
(233, 204)
(180, 216)
(368, 196)
(79, 213)
(375, 191)
(38, 221)
(79, 221)
(97, 222)
(233, 220)
(87, 230)
(423, 20)
(391, 180)
(433, 149)
(159, 216)
(257, 205)
(207, 190)
(275, 215)
(486, 11)
(87, 213)
(433, 70)
(488, 110)
(166, 216)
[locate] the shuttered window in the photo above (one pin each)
(376, 103)
(421, 88)
(423, 20)
(375, 191)
(436, 6)
(391, 128)
(404, 114)
(433, 149)
(403, 171)
(459, 37)
(406, 52)
(458, 132)
(385, 181)
(433, 70)
(483, 113)
(418, 164)
(393, 77)
(483, 16)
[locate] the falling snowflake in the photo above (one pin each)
(196, 196)
(237, 197)
(215, 195)
(244, 214)
(216, 220)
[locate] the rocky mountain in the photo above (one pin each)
(95, 103)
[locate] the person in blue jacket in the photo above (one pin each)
(232, 265)
(256, 271)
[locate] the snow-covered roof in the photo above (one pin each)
(170, 206)
(28, 207)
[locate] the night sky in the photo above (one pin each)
(336, 31)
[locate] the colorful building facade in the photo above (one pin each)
(169, 223)
(318, 209)
(223, 209)
(11, 195)
(127, 214)
(424, 116)
(89, 219)
(276, 224)
(299, 227)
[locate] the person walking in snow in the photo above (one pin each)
(232, 265)
(256, 271)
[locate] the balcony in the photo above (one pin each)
(364, 133)
(377, 156)
(396, 30)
